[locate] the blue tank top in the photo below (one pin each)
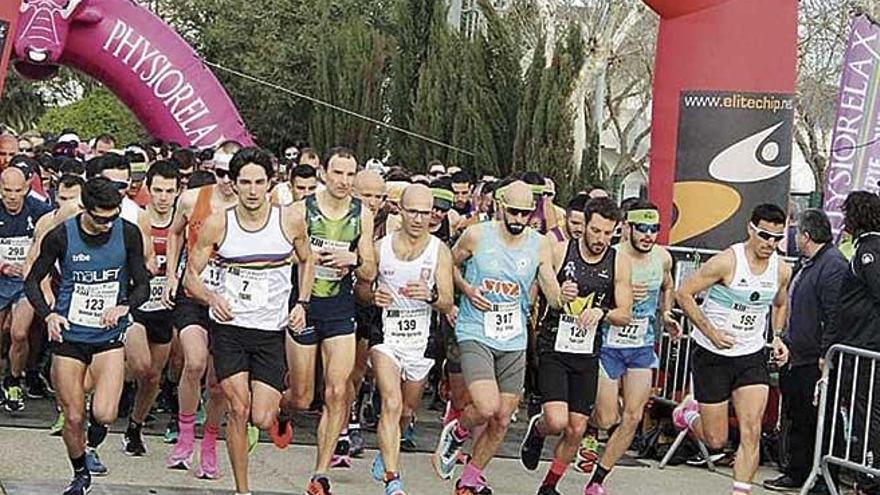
(642, 329)
(93, 280)
(17, 233)
(505, 275)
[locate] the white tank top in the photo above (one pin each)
(255, 273)
(129, 210)
(742, 308)
(407, 322)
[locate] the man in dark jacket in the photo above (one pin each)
(814, 303)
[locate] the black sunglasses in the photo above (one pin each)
(101, 220)
(646, 228)
(221, 173)
(517, 212)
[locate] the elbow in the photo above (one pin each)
(680, 297)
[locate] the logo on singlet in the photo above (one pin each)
(500, 287)
(754, 296)
(81, 257)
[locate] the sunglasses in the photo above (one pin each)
(220, 173)
(767, 235)
(121, 184)
(101, 220)
(436, 173)
(441, 209)
(518, 212)
(549, 194)
(646, 228)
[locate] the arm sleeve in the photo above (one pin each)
(51, 250)
(139, 291)
(829, 301)
(869, 272)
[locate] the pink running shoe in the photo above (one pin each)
(208, 469)
(180, 456)
(340, 462)
(594, 489)
(680, 413)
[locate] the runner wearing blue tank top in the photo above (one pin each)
(103, 275)
(504, 259)
(747, 283)
(627, 355)
(253, 244)
(18, 217)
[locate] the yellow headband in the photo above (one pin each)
(649, 217)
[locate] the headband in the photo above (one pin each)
(443, 194)
(649, 217)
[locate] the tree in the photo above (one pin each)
(99, 112)
(22, 106)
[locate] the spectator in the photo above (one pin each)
(103, 145)
(8, 149)
(436, 169)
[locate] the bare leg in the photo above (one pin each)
(749, 403)
(68, 375)
(338, 356)
(487, 443)
(636, 392)
(388, 382)
(238, 403)
(22, 315)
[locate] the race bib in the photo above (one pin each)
(90, 301)
(247, 289)
(326, 272)
(157, 287)
(504, 321)
(14, 249)
(573, 339)
(212, 276)
(407, 328)
(632, 335)
(746, 319)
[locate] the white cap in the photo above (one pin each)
(69, 138)
(222, 159)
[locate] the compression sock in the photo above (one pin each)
(554, 474)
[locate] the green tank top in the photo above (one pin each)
(329, 234)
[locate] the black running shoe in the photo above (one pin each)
(532, 445)
(80, 485)
(36, 387)
(133, 442)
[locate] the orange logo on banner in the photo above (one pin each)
(701, 206)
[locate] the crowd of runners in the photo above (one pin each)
(255, 288)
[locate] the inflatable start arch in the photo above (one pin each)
(135, 55)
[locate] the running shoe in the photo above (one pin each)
(281, 432)
(253, 437)
(588, 454)
(547, 490)
(595, 489)
(208, 469)
(532, 445)
(58, 425)
(14, 399)
(80, 485)
(446, 454)
(319, 485)
(483, 489)
(463, 459)
(180, 457)
(94, 464)
(377, 469)
(133, 443)
(341, 459)
(357, 443)
(698, 460)
(36, 386)
(394, 487)
(680, 413)
(340, 462)
(408, 439)
(171, 430)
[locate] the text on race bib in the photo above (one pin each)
(744, 318)
(632, 335)
(572, 338)
(503, 321)
(325, 245)
(157, 288)
(212, 276)
(407, 328)
(247, 289)
(14, 249)
(89, 302)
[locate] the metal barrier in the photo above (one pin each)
(854, 381)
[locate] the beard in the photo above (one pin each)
(514, 228)
(637, 246)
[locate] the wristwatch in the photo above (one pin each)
(305, 305)
(434, 295)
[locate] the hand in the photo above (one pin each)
(111, 316)
(821, 364)
(15, 270)
(452, 316)
(383, 297)
(640, 292)
(50, 299)
(297, 319)
(170, 292)
(476, 297)
(721, 339)
(337, 259)
(569, 291)
(55, 325)
(220, 307)
(417, 290)
(152, 266)
(672, 325)
(780, 351)
(590, 318)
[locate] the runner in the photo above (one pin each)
(627, 355)
(574, 220)
(303, 182)
(415, 275)
(18, 214)
(745, 283)
(568, 342)
(148, 340)
(191, 321)
(102, 273)
(253, 243)
(341, 232)
(503, 260)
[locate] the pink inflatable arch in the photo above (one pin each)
(135, 55)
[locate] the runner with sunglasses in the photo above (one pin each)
(103, 274)
(503, 259)
(627, 355)
(746, 283)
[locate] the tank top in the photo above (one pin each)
(93, 280)
(255, 273)
(741, 308)
(129, 210)
(444, 232)
(505, 275)
(407, 322)
(641, 331)
(17, 233)
(159, 235)
(201, 211)
(329, 234)
(560, 331)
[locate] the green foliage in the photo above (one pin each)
(97, 113)
(21, 106)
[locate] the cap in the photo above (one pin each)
(69, 137)
(222, 159)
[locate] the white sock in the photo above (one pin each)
(690, 417)
(742, 487)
